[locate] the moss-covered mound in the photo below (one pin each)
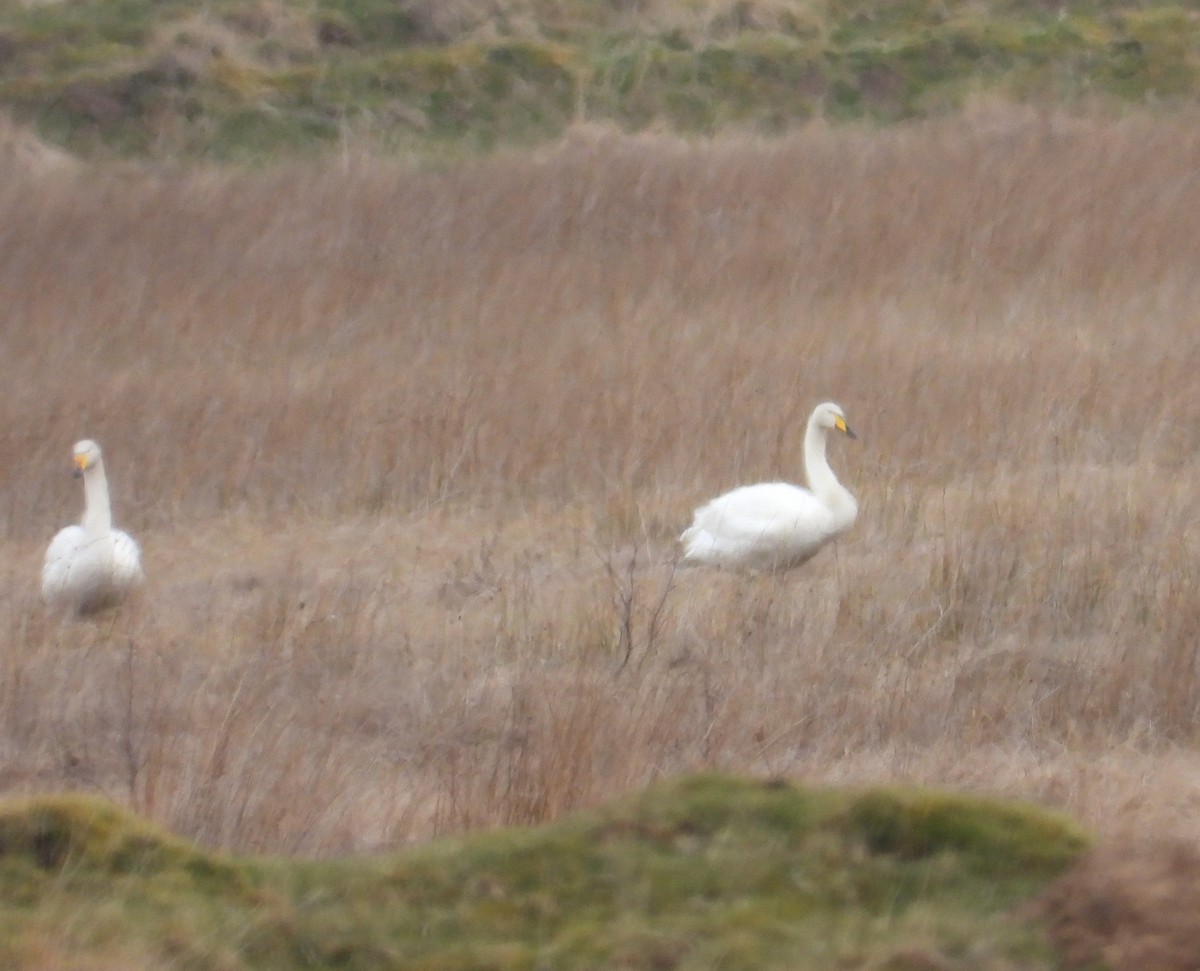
(704, 872)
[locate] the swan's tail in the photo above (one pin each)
(698, 546)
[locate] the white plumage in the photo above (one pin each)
(90, 566)
(776, 525)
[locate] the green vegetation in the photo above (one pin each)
(704, 872)
(228, 78)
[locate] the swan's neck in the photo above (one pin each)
(97, 513)
(821, 480)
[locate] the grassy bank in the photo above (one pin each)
(230, 79)
(702, 873)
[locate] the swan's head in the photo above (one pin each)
(831, 417)
(86, 454)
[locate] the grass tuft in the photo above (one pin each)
(911, 825)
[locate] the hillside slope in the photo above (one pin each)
(233, 79)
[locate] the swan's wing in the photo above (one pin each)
(60, 556)
(770, 508)
(768, 504)
(127, 560)
(771, 525)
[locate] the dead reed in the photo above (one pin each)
(407, 452)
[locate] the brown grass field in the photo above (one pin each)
(407, 452)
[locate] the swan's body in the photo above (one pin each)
(91, 566)
(776, 525)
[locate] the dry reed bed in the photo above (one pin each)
(408, 450)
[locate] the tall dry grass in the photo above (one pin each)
(407, 452)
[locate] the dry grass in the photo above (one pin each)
(1131, 906)
(407, 453)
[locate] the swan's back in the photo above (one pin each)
(769, 526)
(85, 573)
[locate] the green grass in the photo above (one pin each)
(234, 80)
(704, 872)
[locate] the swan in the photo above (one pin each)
(776, 525)
(91, 566)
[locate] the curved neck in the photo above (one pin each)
(97, 513)
(821, 479)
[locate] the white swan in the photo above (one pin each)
(775, 525)
(90, 566)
